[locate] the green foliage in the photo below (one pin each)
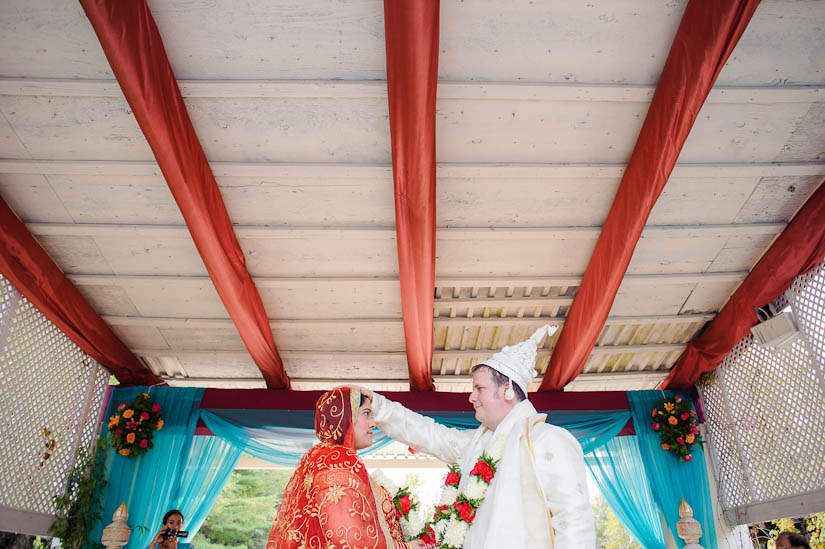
(813, 527)
(245, 510)
(82, 504)
(610, 534)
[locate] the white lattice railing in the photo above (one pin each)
(765, 413)
(51, 396)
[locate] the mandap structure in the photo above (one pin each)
(233, 206)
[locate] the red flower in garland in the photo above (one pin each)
(466, 512)
(405, 505)
(483, 470)
(428, 536)
(452, 479)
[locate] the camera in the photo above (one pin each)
(167, 534)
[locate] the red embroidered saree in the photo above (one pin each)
(330, 501)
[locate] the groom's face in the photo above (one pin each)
(488, 399)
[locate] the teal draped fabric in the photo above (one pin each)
(150, 482)
(619, 473)
(209, 463)
(672, 480)
(273, 443)
(591, 428)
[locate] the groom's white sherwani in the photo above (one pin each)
(541, 477)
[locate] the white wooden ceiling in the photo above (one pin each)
(539, 107)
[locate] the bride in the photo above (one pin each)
(330, 500)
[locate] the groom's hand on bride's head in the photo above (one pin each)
(364, 390)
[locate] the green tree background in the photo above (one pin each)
(610, 534)
(245, 510)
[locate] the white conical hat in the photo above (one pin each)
(518, 361)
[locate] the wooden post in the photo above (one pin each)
(117, 533)
(688, 527)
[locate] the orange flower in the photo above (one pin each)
(130, 438)
(124, 451)
(690, 438)
(654, 412)
(665, 446)
(128, 413)
(160, 425)
(672, 420)
(669, 406)
(113, 421)
(144, 395)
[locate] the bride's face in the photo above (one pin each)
(364, 424)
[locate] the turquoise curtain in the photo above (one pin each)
(149, 483)
(672, 480)
(273, 443)
(209, 463)
(619, 473)
(592, 428)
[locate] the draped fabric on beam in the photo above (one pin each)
(706, 37)
(30, 269)
(799, 248)
(135, 51)
(412, 79)
(671, 480)
(274, 437)
(619, 473)
(150, 484)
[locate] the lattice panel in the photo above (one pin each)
(765, 412)
(50, 404)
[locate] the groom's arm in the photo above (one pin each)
(419, 432)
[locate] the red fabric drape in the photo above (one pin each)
(135, 51)
(412, 79)
(30, 269)
(799, 248)
(706, 37)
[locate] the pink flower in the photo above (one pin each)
(688, 457)
(132, 426)
(156, 407)
(121, 407)
(119, 432)
(678, 398)
(144, 443)
(693, 429)
(144, 416)
(685, 415)
(680, 440)
(656, 426)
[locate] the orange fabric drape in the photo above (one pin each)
(135, 51)
(30, 269)
(799, 248)
(706, 37)
(412, 79)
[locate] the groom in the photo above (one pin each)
(538, 496)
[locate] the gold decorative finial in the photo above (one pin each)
(117, 533)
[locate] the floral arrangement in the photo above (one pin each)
(456, 509)
(675, 421)
(132, 427)
(408, 510)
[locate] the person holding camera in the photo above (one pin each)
(167, 537)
